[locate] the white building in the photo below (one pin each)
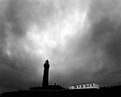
(85, 86)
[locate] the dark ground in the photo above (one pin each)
(102, 92)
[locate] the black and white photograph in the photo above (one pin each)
(60, 48)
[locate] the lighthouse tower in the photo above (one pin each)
(46, 73)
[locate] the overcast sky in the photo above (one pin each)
(81, 39)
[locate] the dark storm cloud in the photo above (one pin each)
(107, 31)
(106, 35)
(17, 68)
(13, 70)
(2, 33)
(14, 17)
(101, 51)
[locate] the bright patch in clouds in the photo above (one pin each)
(56, 34)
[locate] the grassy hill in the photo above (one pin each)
(102, 92)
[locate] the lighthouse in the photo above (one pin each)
(45, 74)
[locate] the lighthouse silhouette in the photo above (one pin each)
(45, 74)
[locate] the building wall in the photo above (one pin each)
(85, 86)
